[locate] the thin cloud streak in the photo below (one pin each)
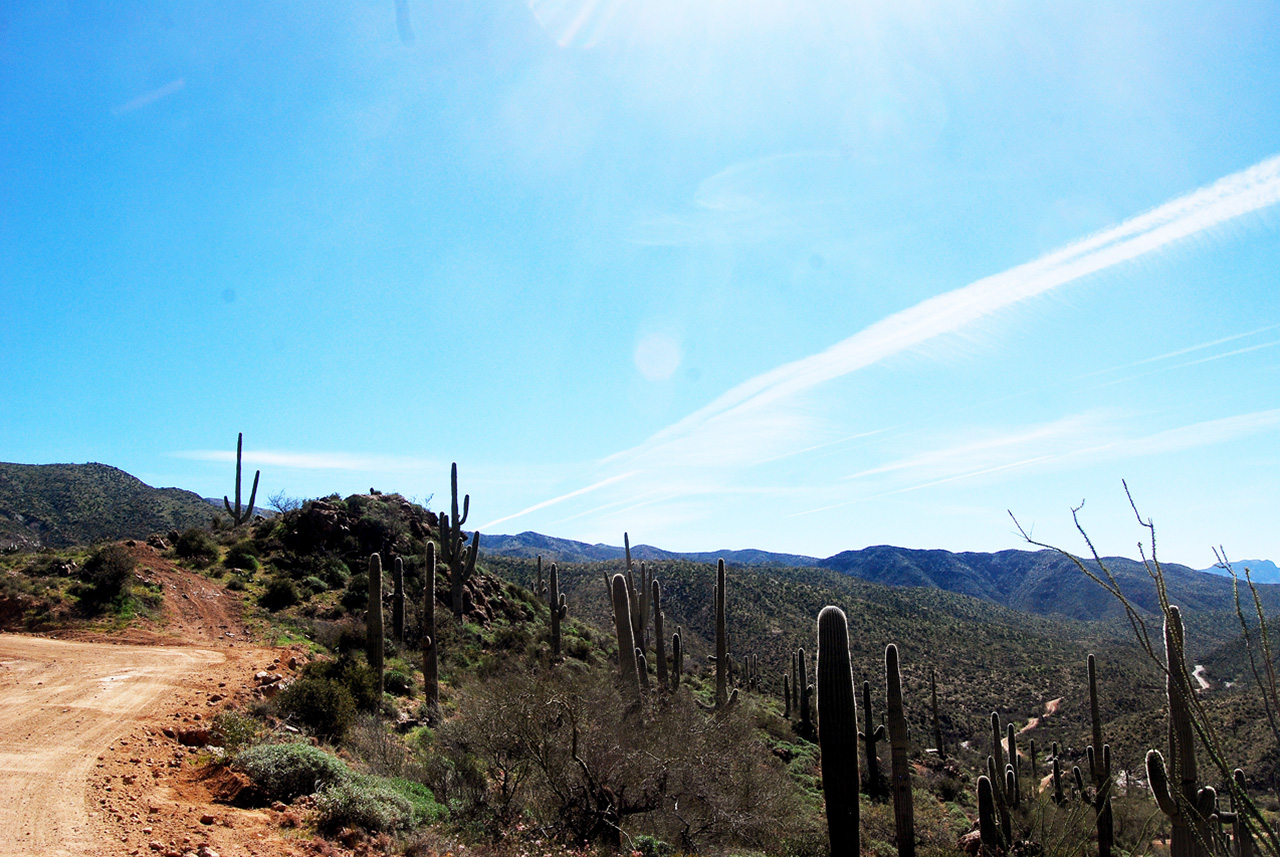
(1226, 199)
(312, 460)
(149, 98)
(554, 500)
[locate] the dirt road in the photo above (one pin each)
(61, 705)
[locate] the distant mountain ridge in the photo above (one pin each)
(60, 505)
(1261, 570)
(552, 549)
(1042, 582)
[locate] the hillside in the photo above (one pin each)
(59, 505)
(530, 545)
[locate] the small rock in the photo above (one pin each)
(206, 819)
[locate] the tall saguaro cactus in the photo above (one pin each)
(723, 699)
(903, 808)
(937, 721)
(430, 648)
(627, 675)
(456, 553)
(805, 690)
(558, 610)
(838, 741)
(239, 517)
(659, 640)
(373, 623)
(1187, 805)
(397, 601)
(870, 734)
(1100, 769)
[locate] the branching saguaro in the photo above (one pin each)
(241, 515)
(458, 556)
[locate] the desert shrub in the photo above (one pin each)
(197, 546)
(380, 750)
(356, 595)
(377, 805)
(237, 730)
(323, 706)
(358, 678)
(242, 555)
(314, 585)
(397, 683)
(106, 575)
(281, 592)
(286, 771)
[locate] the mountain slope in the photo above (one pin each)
(58, 505)
(552, 549)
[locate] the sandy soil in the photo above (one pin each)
(90, 756)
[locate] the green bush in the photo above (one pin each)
(323, 706)
(397, 683)
(238, 731)
(242, 555)
(281, 592)
(197, 546)
(358, 678)
(286, 771)
(377, 805)
(107, 574)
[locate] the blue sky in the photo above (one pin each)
(802, 276)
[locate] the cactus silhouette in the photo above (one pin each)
(628, 677)
(871, 734)
(459, 557)
(903, 809)
(237, 516)
(559, 609)
(838, 739)
(397, 601)
(659, 640)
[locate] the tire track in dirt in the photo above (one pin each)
(61, 704)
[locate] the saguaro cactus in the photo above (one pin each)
(838, 713)
(677, 660)
(1187, 805)
(639, 599)
(659, 640)
(903, 808)
(397, 601)
(1100, 769)
(430, 650)
(627, 675)
(373, 621)
(237, 516)
(989, 829)
(870, 734)
(457, 555)
(805, 689)
(723, 699)
(559, 609)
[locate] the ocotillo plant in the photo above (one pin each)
(659, 640)
(903, 809)
(373, 623)
(627, 675)
(1187, 805)
(838, 714)
(558, 610)
(1100, 769)
(237, 516)
(457, 555)
(430, 649)
(397, 601)
(870, 734)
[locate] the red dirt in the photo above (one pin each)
(86, 766)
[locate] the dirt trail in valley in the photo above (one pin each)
(89, 763)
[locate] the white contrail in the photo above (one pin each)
(545, 503)
(1226, 199)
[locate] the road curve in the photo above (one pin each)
(61, 705)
